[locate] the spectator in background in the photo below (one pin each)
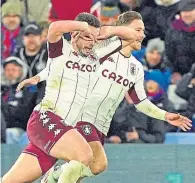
(163, 12)
(133, 5)
(157, 95)
(44, 27)
(2, 2)
(186, 90)
(180, 39)
(33, 53)
(11, 30)
(17, 107)
(153, 61)
(155, 91)
(136, 127)
(109, 13)
(97, 4)
(156, 17)
(123, 6)
(36, 10)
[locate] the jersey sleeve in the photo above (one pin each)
(137, 92)
(58, 48)
(107, 48)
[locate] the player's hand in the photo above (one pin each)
(27, 82)
(105, 33)
(86, 35)
(179, 121)
(115, 139)
(75, 37)
(87, 31)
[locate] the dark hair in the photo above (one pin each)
(128, 17)
(89, 18)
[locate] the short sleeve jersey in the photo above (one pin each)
(117, 76)
(69, 76)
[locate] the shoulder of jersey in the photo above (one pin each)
(135, 61)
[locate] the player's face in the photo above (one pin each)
(85, 43)
(188, 16)
(138, 25)
(12, 72)
(32, 42)
(153, 57)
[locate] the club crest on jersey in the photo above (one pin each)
(133, 69)
(87, 129)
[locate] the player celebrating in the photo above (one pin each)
(70, 68)
(121, 74)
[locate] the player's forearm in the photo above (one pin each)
(151, 110)
(58, 28)
(42, 76)
(65, 26)
(123, 32)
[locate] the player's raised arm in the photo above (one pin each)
(112, 39)
(138, 95)
(128, 35)
(58, 28)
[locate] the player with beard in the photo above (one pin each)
(69, 75)
(121, 74)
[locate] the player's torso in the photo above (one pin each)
(113, 79)
(68, 85)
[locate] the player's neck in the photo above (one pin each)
(126, 51)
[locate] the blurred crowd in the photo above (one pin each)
(167, 55)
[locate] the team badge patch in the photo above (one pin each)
(87, 129)
(133, 69)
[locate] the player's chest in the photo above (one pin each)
(74, 65)
(121, 74)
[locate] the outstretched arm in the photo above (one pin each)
(138, 96)
(127, 34)
(112, 39)
(42, 76)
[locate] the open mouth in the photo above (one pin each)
(88, 49)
